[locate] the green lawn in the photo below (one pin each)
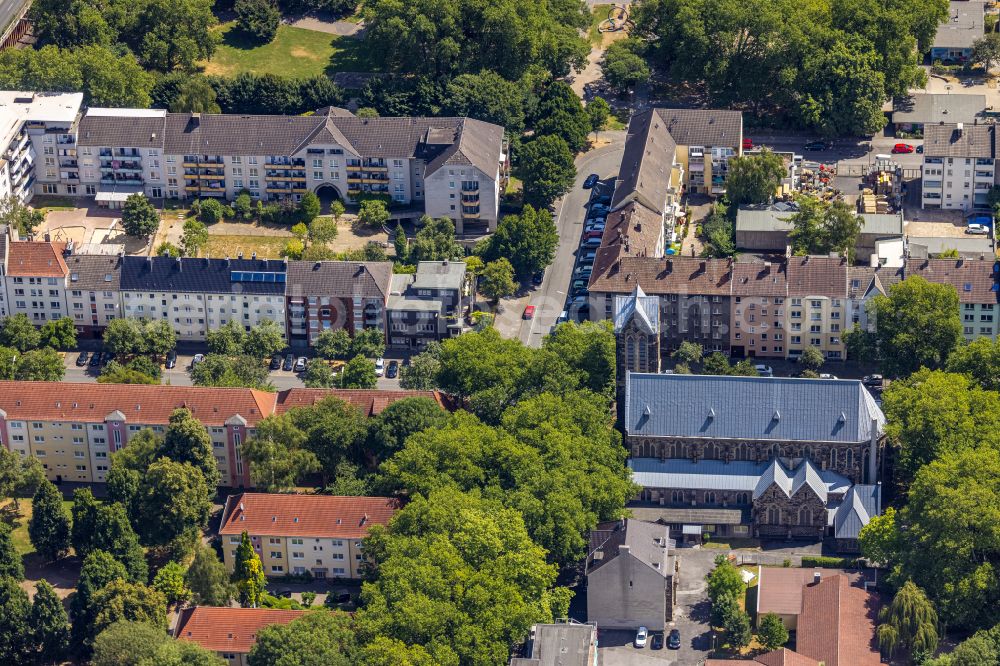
(597, 14)
(20, 524)
(294, 52)
(230, 246)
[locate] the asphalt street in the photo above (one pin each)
(9, 9)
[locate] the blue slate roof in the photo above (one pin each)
(736, 476)
(759, 408)
(226, 276)
(860, 505)
(637, 305)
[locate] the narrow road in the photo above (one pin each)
(550, 298)
(9, 10)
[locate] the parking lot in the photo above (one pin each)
(577, 308)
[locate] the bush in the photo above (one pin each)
(211, 211)
(820, 562)
(258, 18)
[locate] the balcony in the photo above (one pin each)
(67, 140)
(470, 215)
(374, 165)
(470, 192)
(284, 163)
(126, 152)
(68, 162)
(287, 190)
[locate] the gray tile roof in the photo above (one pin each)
(928, 108)
(439, 275)
(882, 224)
(791, 481)
(645, 310)
(125, 131)
(94, 272)
(966, 23)
(199, 275)
(684, 474)
(704, 127)
(645, 168)
(948, 141)
(339, 278)
(860, 505)
(760, 408)
(763, 218)
(234, 134)
(647, 542)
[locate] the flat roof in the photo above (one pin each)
(938, 108)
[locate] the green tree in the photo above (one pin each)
(207, 578)
(337, 210)
(918, 325)
(120, 601)
(821, 227)
(389, 430)
(400, 244)
(248, 574)
(17, 332)
(15, 632)
(276, 455)
(211, 211)
(975, 650)
(738, 633)
(11, 565)
(169, 581)
(173, 502)
(243, 206)
(40, 365)
(435, 241)
(196, 95)
(231, 371)
(322, 230)
(139, 217)
(319, 374)
(258, 18)
(980, 361)
(623, 67)
(373, 213)
(862, 345)
(528, 241)
(560, 113)
(688, 352)
(716, 364)
(116, 373)
(754, 179)
(98, 570)
(20, 476)
(194, 238)
(811, 358)
(265, 339)
(724, 579)
(175, 33)
(333, 344)
(598, 110)
(187, 441)
(589, 349)
(143, 644)
(880, 539)
(772, 633)
(49, 526)
(17, 215)
(358, 373)
(369, 343)
(421, 374)
(497, 280)
(49, 625)
(485, 592)
(547, 169)
(383, 651)
(227, 340)
(986, 51)
(489, 97)
(909, 624)
(309, 208)
(111, 78)
(319, 637)
(59, 334)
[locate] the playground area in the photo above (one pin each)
(618, 20)
(91, 229)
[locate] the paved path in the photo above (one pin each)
(342, 28)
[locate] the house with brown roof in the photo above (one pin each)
(229, 632)
(631, 575)
(779, 657)
(93, 292)
(977, 283)
(34, 279)
(297, 534)
(73, 428)
(758, 310)
(333, 295)
(816, 312)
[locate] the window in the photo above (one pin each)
(276, 555)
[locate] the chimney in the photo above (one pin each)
(239, 255)
(253, 255)
(817, 577)
(177, 262)
(959, 128)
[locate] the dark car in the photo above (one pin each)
(107, 357)
(392, 370)
(95, 360)
(920, 148)
(275, 362)
(82, 359)
(674, 642)
(537, 278)
(817, 145)
(657, 642)
(344, 598)
(600, 198)
(171, 359)
(591, 181)
(289, 362)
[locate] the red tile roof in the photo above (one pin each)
(669, 275)
(972, 278)
(779, 657)
(369, 402)
(760, 279)
(228, 629)
(779, 590)
(837, 624)
(327, 516)
(31, 259)
(817, 276)
(140, 404)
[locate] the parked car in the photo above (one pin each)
(537, 278)
(641, 636)
(594, 226)
(578, 301)
(275, 362)
(379, 367)
(578, 284)
(656, 642)
(529, 312)
(196, 359)
(592, 242)
(600, 198)
(584, 271)
(977, 229)
(392, 370)
(591, 181)
(598, 209)
(300, 364)
(747, 143)
(764, 370)
(674, 642)
(593, 234)
(82, 359)
(872, 381)
(827, 375)
(95, 360)
(107, 357)
(171, 359)
(920, 148)
(816, 145)
(563, 316)
(902, 148)
(289, 362)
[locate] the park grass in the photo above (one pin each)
(598, 14)
(231, 245)
(295, 52)
(19, 523)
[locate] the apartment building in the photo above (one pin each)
(228, 632)
(817, 307)
(38, 143)
(448, 167)
(93, 292)
(297, 534)
(977, 282)
(200, 295)
(35, 279)
(758, 305)
(959, 166)
(333, 295)
(427, 305)
(72, 428)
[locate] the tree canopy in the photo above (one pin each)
(319, 637)
(528, 241)
(754, 179)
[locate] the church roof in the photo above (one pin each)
(640, 308)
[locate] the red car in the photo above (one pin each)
(529, 312)
(747, 144)
(902, 148)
